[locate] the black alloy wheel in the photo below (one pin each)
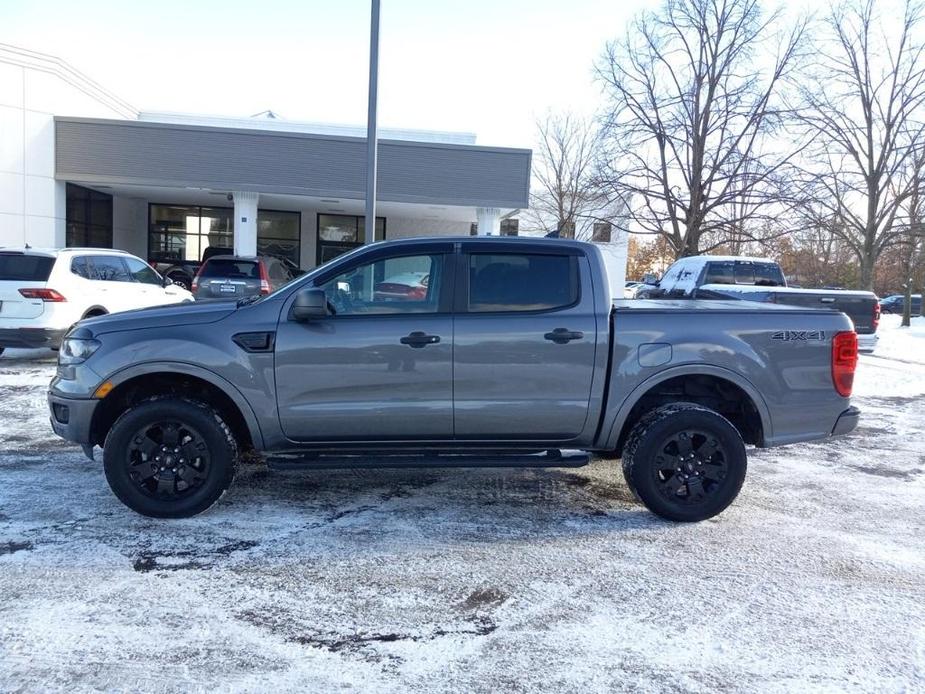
(685, 462)
(169, 457)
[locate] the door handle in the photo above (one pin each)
(419, 339)
(562, 336)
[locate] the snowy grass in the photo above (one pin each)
(474, 580)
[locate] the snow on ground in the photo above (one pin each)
(476, 580)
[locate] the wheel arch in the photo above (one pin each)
(149, 380)
(633, 406)
(95, 311)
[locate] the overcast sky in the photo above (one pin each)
(483, 66)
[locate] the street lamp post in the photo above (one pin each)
(371, 131)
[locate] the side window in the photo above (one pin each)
(110, 268)
(521, 282)
(81, 268)
(404, 284)
(142, 272)
(720, 273)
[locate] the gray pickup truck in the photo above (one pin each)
(452, 352)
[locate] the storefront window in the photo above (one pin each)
(88, 218)
(183, 232)
(339, 233)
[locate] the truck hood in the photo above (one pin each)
(172, 315)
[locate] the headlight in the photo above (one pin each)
(75, 350)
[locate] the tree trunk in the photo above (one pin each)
(867, 273)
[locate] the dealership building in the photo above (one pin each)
(81, 167)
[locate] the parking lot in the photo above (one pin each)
(474, 580)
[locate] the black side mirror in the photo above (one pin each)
(309, 304)
(650, 278)
(166, 282)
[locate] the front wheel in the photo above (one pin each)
(169, 457)
(685, 462)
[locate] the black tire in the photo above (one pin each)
(181, 279)
(685, 462)
(169, 457)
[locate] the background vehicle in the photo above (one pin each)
(44, 292)
(514, 356)
(181, 271)
(630, 289)
(760, 279)
(894, 304)
(411, 286)
(233, 277)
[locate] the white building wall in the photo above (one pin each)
(33, 88)
(404, 227)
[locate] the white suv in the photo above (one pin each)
(44, 292)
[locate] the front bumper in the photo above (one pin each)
(847, 421)
(72, 418)
(30, 338)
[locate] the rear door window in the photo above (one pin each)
(233, 269)
(521, 282)
(19, 267)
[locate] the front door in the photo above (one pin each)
(380, 367)
(525, 337)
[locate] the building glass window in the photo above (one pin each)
(510, 227)
(88, 218)
(183, 232)
(339, 233)
(601, 232)
(279, 234)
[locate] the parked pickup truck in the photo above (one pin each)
(513, 356)
(760, 279)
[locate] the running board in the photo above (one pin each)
(552, 458)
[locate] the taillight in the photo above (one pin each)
(844, 361)
(876, 321)
(194, 285)
(43, 294)
(264, 278)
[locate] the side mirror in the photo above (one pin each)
(650, 278)
(166, 282)
(309, 304)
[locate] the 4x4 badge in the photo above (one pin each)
(799, 335)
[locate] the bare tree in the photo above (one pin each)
(692, 130)
(860, 102)
(565, 196)
(914, 236)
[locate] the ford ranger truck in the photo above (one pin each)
(512, 355)
(761, 279)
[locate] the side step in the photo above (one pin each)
(308, 461)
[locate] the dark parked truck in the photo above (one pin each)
(760, 279)
(510, 354)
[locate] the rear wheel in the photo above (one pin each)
(685, 462)
(169, 457)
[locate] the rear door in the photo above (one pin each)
(381, 367)
(22, 271)
(114, 285)
(525, 337)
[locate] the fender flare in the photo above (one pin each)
(179, 367)
(691, 369)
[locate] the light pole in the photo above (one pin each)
(372, 136)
